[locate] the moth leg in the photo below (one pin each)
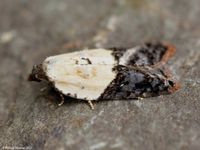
(91, 104)
(140, 98)
(43, 89)
(62, 100)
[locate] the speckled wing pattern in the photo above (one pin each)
(141, 72)
(148, 54)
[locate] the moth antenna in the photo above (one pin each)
(170, 51)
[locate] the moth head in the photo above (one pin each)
(37, 74)
(169, 84)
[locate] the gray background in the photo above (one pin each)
(32, 30)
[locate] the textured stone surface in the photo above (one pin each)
(32, 30)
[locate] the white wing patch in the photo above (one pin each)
(84, 74)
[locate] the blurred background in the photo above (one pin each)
(30, 31)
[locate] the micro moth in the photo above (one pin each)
(115, 73)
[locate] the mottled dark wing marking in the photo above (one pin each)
(135, 82)
(148, 54)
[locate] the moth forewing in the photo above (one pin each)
(82, 75)
(118, 73)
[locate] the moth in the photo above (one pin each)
(114, 73)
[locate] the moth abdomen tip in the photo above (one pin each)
(37, 73)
